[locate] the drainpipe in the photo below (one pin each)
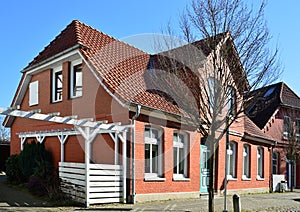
(137, 113)
(271, 166)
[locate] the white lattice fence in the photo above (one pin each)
(104, 182)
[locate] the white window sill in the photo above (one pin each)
(75, 97)
(181, 179)
(230, 178)
(260, 179)
(154, 179)
(246, 179)
(56, 101)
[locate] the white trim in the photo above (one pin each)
(232, 153)
(51, 62)
(154, 141)
(246, 155)
(72, 82)
(53, 75)
(260, 176)
(181, 145)
(31, 71)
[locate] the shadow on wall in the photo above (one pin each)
(4, 154)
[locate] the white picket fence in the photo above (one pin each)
(104, 182)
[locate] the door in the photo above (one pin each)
(204, 172)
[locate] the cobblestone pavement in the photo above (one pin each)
(14, 199)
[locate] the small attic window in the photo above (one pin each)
(269, 92)
(76, 79)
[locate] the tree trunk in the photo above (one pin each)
(211, 164)
(292, 175)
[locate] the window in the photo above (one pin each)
(286, 127)
(34, 93)
(297, 128)
(246, 161)
(275, 162)
(231, 102)
(76, 79)
(57, 84)
(214, 92)
(180, 144)
(260, 162)
(231, 155)
(153, 152)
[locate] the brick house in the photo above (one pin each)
(277, 113)
(88, 74)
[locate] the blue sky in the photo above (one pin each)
(28, 26)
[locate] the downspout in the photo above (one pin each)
(137, 113)
(271, 167)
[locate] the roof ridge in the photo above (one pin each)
(79, 23)
(281, 89)
(284, 84)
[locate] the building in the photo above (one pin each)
(90, 75)
(277, 113)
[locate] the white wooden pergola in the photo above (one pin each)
(85, 127)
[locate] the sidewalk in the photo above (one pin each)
(255, 202)
(16, 199)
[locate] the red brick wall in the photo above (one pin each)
(145, 187)
(97, 104)
(238, 182)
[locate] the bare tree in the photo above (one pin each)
(292, 144)
(4, 132)
(207, 79)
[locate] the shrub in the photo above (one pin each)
(35, 160)
(34, 167)
(13, 171)
(37, 186)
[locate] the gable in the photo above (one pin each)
(122, 70)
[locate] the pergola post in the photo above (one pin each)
(122, 137)
(62, 138)
(89, 135)
(23, 139)
(116, 141)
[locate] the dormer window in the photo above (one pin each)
(76, 79)
(57, 84)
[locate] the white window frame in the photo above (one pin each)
(260, 163)
(286, 133)
(54, 85)
(72, 82)
(297, 128)
(34, 93)
(154, 141)
(231, 101)
(276, 162)
(231, 153)
(246, 160)
(180, 145)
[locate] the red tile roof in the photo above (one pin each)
(268, 99)
(253, 130)
(121, 67)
